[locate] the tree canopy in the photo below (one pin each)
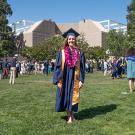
(131, 23)
(116, 43)
(6, 35)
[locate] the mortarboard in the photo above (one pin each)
(70, 32)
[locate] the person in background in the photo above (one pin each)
(1, 69)
(119, 67)
(114, 68)
(130, 56)
(5, 69)
(12, 71)
(17, 68)
(105, 67)
(35, 67)
(46, 67)
(91, 66)
(69, 73)
(52, 65)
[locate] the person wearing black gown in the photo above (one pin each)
(68, 75)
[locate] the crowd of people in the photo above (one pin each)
(115, 67)
(112, 66)
(10, 65)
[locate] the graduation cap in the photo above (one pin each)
(70, 32)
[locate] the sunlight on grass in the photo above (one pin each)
(28, 107)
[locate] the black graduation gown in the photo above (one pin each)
(64, 96)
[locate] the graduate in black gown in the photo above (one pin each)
(69, 74)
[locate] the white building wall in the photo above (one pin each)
(92, 33)
(28, 38)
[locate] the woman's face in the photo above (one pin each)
(71, 41)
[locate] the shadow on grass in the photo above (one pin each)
(92, 112)
(34, 81)
(23, 83)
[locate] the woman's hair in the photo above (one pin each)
(131, 52)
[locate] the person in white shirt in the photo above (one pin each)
(105, 67)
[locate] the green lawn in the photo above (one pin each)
(28, 107)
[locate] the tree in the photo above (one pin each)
(131, 23)
(98, 52)
(83, 45)
(26, 52)
(44, 50)
(116, 43)
(6, 35)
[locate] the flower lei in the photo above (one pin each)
(71, 62)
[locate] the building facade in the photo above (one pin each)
(93, 31)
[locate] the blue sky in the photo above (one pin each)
(69, 11)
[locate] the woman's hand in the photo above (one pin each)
(59, 85)
(80, 84)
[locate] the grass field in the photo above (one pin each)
(28, 107)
